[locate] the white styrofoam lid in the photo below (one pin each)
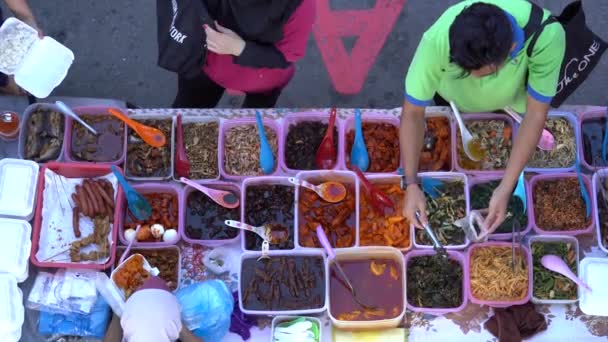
(11, 304)
(18, 182)
(45, 67)
(15, 246)
(16, 40)
(594, 272)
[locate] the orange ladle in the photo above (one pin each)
(152, 136)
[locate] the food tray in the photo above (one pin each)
(554, 238)
(186, 119)
(170, 140)
(146, 188)
(183, 202)
(314, 116)
(347, 177)
(486, 179)
(598, 114)
(23, 128)
(136, 250)
(266, 180)
(554, 176)
(482, 117)
(18, 180)
(368, 253)
(577, 139)
(277, 253)
(76, 170)
(349, 125)
(597, 177)
(453, 255)
(93, 111)
(447, 176)
(498, 304)
(439, 114)
(281, 319)
(245, 121)
(382, 179)
(147, 267)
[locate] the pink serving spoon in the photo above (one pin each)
(224, 198)
(556, 264)
(182, 164)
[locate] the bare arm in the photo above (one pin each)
(22, 10)
(187, 336)
(114, 332)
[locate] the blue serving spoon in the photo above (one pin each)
(430, 186)
(520, 190)
(138, 204)
(581, 183)
(605, 142)
(266, 156)
(358, 154)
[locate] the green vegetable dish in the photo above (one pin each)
(480, 199)
(548, 284)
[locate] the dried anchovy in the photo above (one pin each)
(144, 160)
(201, 143)
(549, 284)
(442, 212)
(480, 199)
(558, 205)
(495, 137)
(242, 149)
(564, 153)
(433, 283)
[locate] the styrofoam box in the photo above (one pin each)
(15, 247)
(12, 312)
(594, 272)
(282, 319)
(18, 180)
(44, 65)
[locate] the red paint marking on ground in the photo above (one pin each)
(372, 26)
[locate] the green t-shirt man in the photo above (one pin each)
(431, 71)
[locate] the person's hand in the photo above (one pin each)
(11, 88)
(497, 210)
(415, 202)
(224, 41)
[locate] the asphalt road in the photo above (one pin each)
(115, 46)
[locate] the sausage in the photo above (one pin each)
(91, 195)
(109, 189)
(76, 222)
(110, 211)
(84, 204)
(76, 200)
(102, 193)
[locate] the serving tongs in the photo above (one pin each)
(436, 243)
(516, 234)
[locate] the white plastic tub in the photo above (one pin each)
(594, 272)
(12, 313)
(282, 319)
(18, 181)
(15, 247)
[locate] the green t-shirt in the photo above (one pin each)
(431, 71)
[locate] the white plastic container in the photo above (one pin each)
(39, 65)
(594, 272)
(18, 181)
(282, 319)
(12, 313)
(548, 239)
(15, 247)
(152, 270)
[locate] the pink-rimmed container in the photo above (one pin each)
(316, 177)
(21, 148)
(92, 111)
(293, 253)
(483, 179)
(186, 120)
(269, 181)
(449, 177)
(314, 116)
(147, 188)
(383, 179)
(453, 255)
(549, 239)
(598, 177)
(368, 253)
(250, 121)
(497, 304)
(452, 139)
(139, 250)
(482, 117)
(572, 119)
(183, 202)
(593, 115)
(349, 125)
(555, 176)
(76, 170)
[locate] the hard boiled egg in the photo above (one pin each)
(129, 234)
(170, 235)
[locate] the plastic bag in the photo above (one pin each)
(206, 309)
(91, 325)
(65, 292)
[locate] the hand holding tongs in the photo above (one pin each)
(436, 243)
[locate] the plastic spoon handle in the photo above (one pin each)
(266, 156)
(123, 182)
(203, 189)
(244, 226)
(152, 136)
(520, 190)
(581, 183)
(69, 112)
(325, 243)
(359, 155)
(546, 142)
(301, 182)
(556, 264)
(466, 135)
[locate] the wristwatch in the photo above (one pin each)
(405, 181)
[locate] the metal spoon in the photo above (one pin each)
(436, 243)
